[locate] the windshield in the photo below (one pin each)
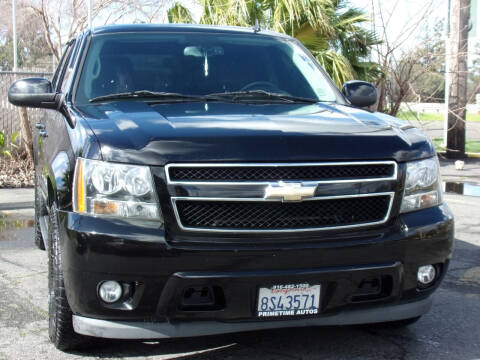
(199, 64)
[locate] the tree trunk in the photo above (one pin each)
(457, 91)
(26, 131)
(381, 93)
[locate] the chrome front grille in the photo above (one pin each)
(218, 197)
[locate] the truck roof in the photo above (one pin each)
(108, 29)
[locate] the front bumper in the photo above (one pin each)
(158, 330)
(96, 249)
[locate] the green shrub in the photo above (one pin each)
(5, 148)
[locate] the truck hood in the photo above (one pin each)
(139, 133)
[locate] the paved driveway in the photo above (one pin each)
(450, 331)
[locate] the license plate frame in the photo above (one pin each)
(286, 300)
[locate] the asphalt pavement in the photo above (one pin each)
(451, 330)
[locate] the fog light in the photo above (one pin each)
(426, 274)
(110, 291)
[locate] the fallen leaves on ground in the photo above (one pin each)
(16, 172)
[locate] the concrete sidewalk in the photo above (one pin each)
(11, 199)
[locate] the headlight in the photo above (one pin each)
(109, 189)
(422, 185)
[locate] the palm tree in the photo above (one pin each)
(179, 14)
(330, 29)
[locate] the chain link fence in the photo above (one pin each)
(9, 116)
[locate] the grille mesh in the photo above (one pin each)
(277, 215)
(269, 173)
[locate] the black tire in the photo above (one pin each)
(60, 325)
(39, 210)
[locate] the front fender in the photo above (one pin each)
(58, 176)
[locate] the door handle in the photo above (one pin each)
(40, 126)
(43, 133)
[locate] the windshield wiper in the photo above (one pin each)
(144, 94)
(259, 95)
(255, 95)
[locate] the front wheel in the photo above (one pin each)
(60, 325)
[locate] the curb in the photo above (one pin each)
(460, 177)
(468, 155)
(473, 155)
(16, 206)
(17, 198)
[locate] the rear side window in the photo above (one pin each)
(199, 64)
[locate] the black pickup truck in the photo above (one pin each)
(196, 180)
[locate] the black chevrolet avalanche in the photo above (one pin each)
(197, 180)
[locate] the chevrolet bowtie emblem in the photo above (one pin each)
(289, 191)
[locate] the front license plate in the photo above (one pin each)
(288, 300)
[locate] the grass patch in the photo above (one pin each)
(409, 115)
(471, 145)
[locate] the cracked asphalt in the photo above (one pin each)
(450, 331)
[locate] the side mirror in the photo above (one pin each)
(360, 93)
(33, 92)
